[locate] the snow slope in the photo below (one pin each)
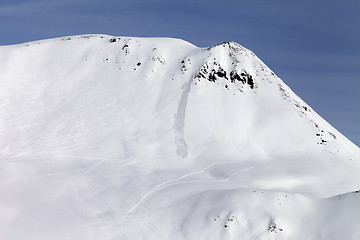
(130, 138)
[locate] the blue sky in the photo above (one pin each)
(313, 45)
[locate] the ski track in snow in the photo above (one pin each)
(173, 182)
(180, 143)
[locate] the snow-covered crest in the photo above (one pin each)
(133, 138)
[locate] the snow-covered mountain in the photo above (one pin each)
(130, 138)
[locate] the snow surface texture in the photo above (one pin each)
(130, 138)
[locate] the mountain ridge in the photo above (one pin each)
(148, 138)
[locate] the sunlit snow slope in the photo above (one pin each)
(130, 138)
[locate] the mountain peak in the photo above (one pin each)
(117, 135)
(230, 45)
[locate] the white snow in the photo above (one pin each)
(150, 138)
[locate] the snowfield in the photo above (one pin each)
(108, 138)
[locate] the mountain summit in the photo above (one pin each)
(107, 137)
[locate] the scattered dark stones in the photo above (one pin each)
(302, 108)
(321, 136)
(243, 77)
(235, 77)
(230, 221)
(333, 135)
(113, 40)
(212, 77)
(247, 78)
(273, 227)
(126, 49)
(200, 75)
(322, 142)
(221, 73)
(283, 92)
(158, 59)
(250, 82)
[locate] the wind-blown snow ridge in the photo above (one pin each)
(105, 137)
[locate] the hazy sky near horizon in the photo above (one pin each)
(312, 45)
